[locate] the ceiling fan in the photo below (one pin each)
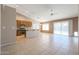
(51, 12)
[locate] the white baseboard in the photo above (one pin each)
(7, 44)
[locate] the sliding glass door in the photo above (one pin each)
(65, 28)
(61, 27)
(57, 28)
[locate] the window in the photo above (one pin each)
(61, 27)
(75, 33)
(45, 26)
(65, 27)
(57, 28)
(36, 26)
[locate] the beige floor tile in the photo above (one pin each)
(44, 44)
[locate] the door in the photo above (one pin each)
(61, 27)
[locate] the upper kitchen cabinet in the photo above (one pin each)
(18, 23)
(24, 22)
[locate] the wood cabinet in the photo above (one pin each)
(21, 32)
(18, 23)
(23, 22)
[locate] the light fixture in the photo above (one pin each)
(51, 12)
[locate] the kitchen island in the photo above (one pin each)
(21, 32)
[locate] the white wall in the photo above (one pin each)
(8, 25)
(78, 20)
(0, 29)
(78, 25)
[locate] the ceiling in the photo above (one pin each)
(41, 12)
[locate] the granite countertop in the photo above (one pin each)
(22, 30)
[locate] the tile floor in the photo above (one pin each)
(43, 44)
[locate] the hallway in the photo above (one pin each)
(43, 44)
